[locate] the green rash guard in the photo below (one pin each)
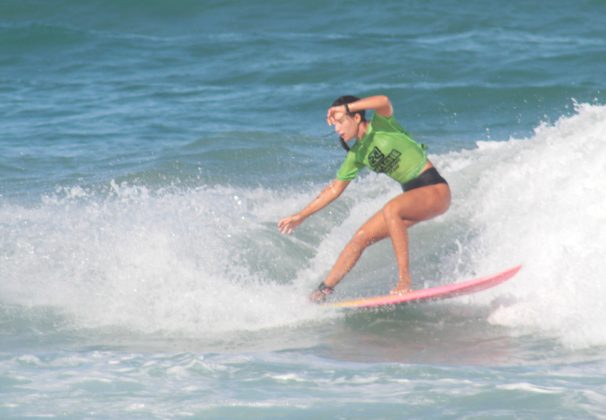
(385, 148)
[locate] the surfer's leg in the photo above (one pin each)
(404, 211)
(372, 231)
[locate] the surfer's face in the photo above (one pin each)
(346, 126)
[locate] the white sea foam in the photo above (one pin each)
(196, 262)
(540, 202)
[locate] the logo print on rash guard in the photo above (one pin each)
(381, 163)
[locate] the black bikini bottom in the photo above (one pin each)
(429, 177)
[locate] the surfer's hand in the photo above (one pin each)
(330, 114)
(289, 224)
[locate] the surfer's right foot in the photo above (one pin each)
(319, 295)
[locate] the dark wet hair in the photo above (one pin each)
(347, 99)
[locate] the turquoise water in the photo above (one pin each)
(148, 149)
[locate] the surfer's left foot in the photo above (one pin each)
(401, 288)
(399, 292)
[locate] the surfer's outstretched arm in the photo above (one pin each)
(330, 193)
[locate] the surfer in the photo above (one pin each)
(383, 146)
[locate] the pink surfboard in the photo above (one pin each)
(433, 293)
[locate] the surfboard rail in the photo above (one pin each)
(432, 293)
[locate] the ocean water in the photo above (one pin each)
(148, 149)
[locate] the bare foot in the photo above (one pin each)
(402, 288)
(317, 296)
(400, 292)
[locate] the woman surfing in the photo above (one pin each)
(382, 145)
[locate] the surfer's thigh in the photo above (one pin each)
(419, 204)
(373, 230)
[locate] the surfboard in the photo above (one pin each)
(433, 293)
